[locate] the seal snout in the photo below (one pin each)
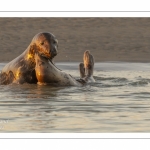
(53, 50)
(47, 44)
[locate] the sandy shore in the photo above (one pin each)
(108, 39)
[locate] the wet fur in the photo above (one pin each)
(22, 69)
(35, 65)
(87, 67)
(48, 73)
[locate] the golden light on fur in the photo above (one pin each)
(17, 74)
(86, 58)
(29, 56)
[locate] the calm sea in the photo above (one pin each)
(119, 101)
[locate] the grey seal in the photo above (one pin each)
(22, 69)
(48, 73)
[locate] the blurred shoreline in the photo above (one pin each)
(108, 39)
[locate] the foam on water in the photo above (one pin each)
(119, 101)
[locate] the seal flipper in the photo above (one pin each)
(88, 60)
(82, 70)
(6, 78)
(3, 77)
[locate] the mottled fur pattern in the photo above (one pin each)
(47, 72)
(35, 65)
(22, 69)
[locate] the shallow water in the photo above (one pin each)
(119, 101)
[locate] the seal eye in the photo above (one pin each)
(42, 43)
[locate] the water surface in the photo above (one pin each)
(119, 101)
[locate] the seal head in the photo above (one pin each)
(46, 44)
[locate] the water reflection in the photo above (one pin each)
(117, 102)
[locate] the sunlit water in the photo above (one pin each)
(119, 101)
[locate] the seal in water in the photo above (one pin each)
(22, 69)
(48, 73)
(87, 68)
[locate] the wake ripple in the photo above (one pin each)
(116, 82)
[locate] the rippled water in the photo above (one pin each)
(119, 101)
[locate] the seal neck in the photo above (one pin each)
(30, 53)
